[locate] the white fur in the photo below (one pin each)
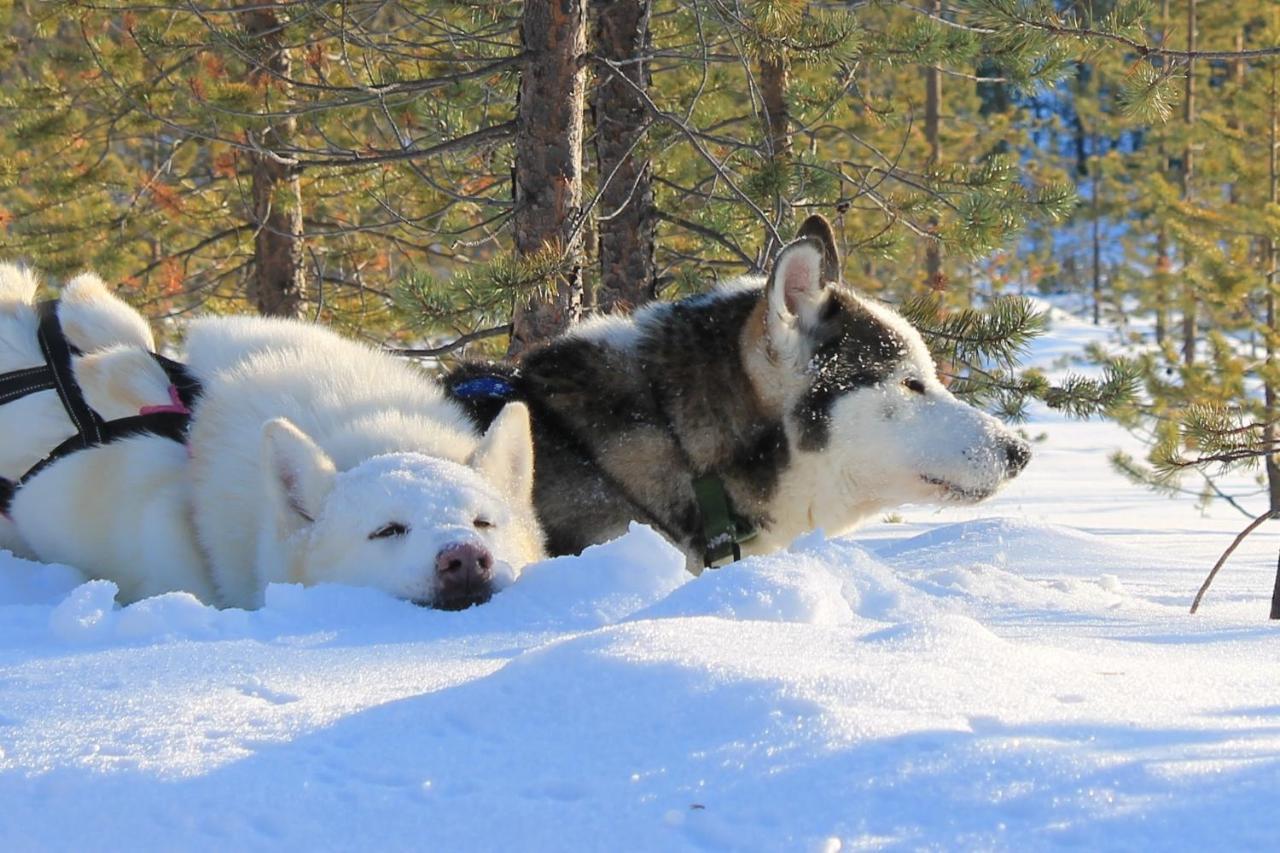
(92, 318)
(354, 439)
(619, 332)
(303, 444)
(889, 445)
(119, 512)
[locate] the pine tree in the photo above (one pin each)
(370, 149)
(1218, 411)
(168, 146)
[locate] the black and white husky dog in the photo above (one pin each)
(757, 412)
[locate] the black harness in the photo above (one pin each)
(91, 430)
(723, 529)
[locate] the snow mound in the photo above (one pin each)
(603, 585)
(801, 590)
(1019, 563)
(90, 615)
(1029, 548)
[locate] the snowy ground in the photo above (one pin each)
(1021, 675)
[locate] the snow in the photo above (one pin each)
(1018, 675)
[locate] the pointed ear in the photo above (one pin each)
(818, 228)
(504, 456)
(796, 286)
(299, 475)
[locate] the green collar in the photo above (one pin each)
(723, 529)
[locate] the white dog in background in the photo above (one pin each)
(311, 459)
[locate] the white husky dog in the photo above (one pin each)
(311, 459)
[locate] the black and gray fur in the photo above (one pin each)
(628, 414)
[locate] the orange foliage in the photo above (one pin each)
(477, 185)
(171, 277)
(315, 57)
(212, 65)
(224, 165)
(166, 197)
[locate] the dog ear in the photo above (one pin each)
(796, 288)
(504, 456)
(818, 228)
(299, 475)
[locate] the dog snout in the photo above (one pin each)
(1017, 453)
(464, 576)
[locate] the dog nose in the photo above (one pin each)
(1017, 453)
(464, 576)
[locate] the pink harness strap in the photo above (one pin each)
(176, 406)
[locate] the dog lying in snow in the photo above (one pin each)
(92, 318)
(310, 459)
(767, 407)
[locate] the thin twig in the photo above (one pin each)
(445, 349)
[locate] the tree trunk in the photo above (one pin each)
(1188, 172)
(1270, 430)
(932, 115)
(1275, 594)
(547, 183)
(277, 283)
(1097, 230)
(1163, 263)
(1233, 121)
(628, 219)
(777, 131)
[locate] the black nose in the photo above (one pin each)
(1017, 453)
(464, 576)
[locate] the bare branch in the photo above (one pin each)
(1204, 587)
(459, 343)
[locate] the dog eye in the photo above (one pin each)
(913, 385)
(482, 523)
(395, 528)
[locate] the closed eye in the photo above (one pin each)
(387, 531)
(482, 524)
(915, 386)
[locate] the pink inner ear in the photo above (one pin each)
(800, 282)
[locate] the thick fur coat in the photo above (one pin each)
(815, 407)
(310, 458)
(92, 319)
